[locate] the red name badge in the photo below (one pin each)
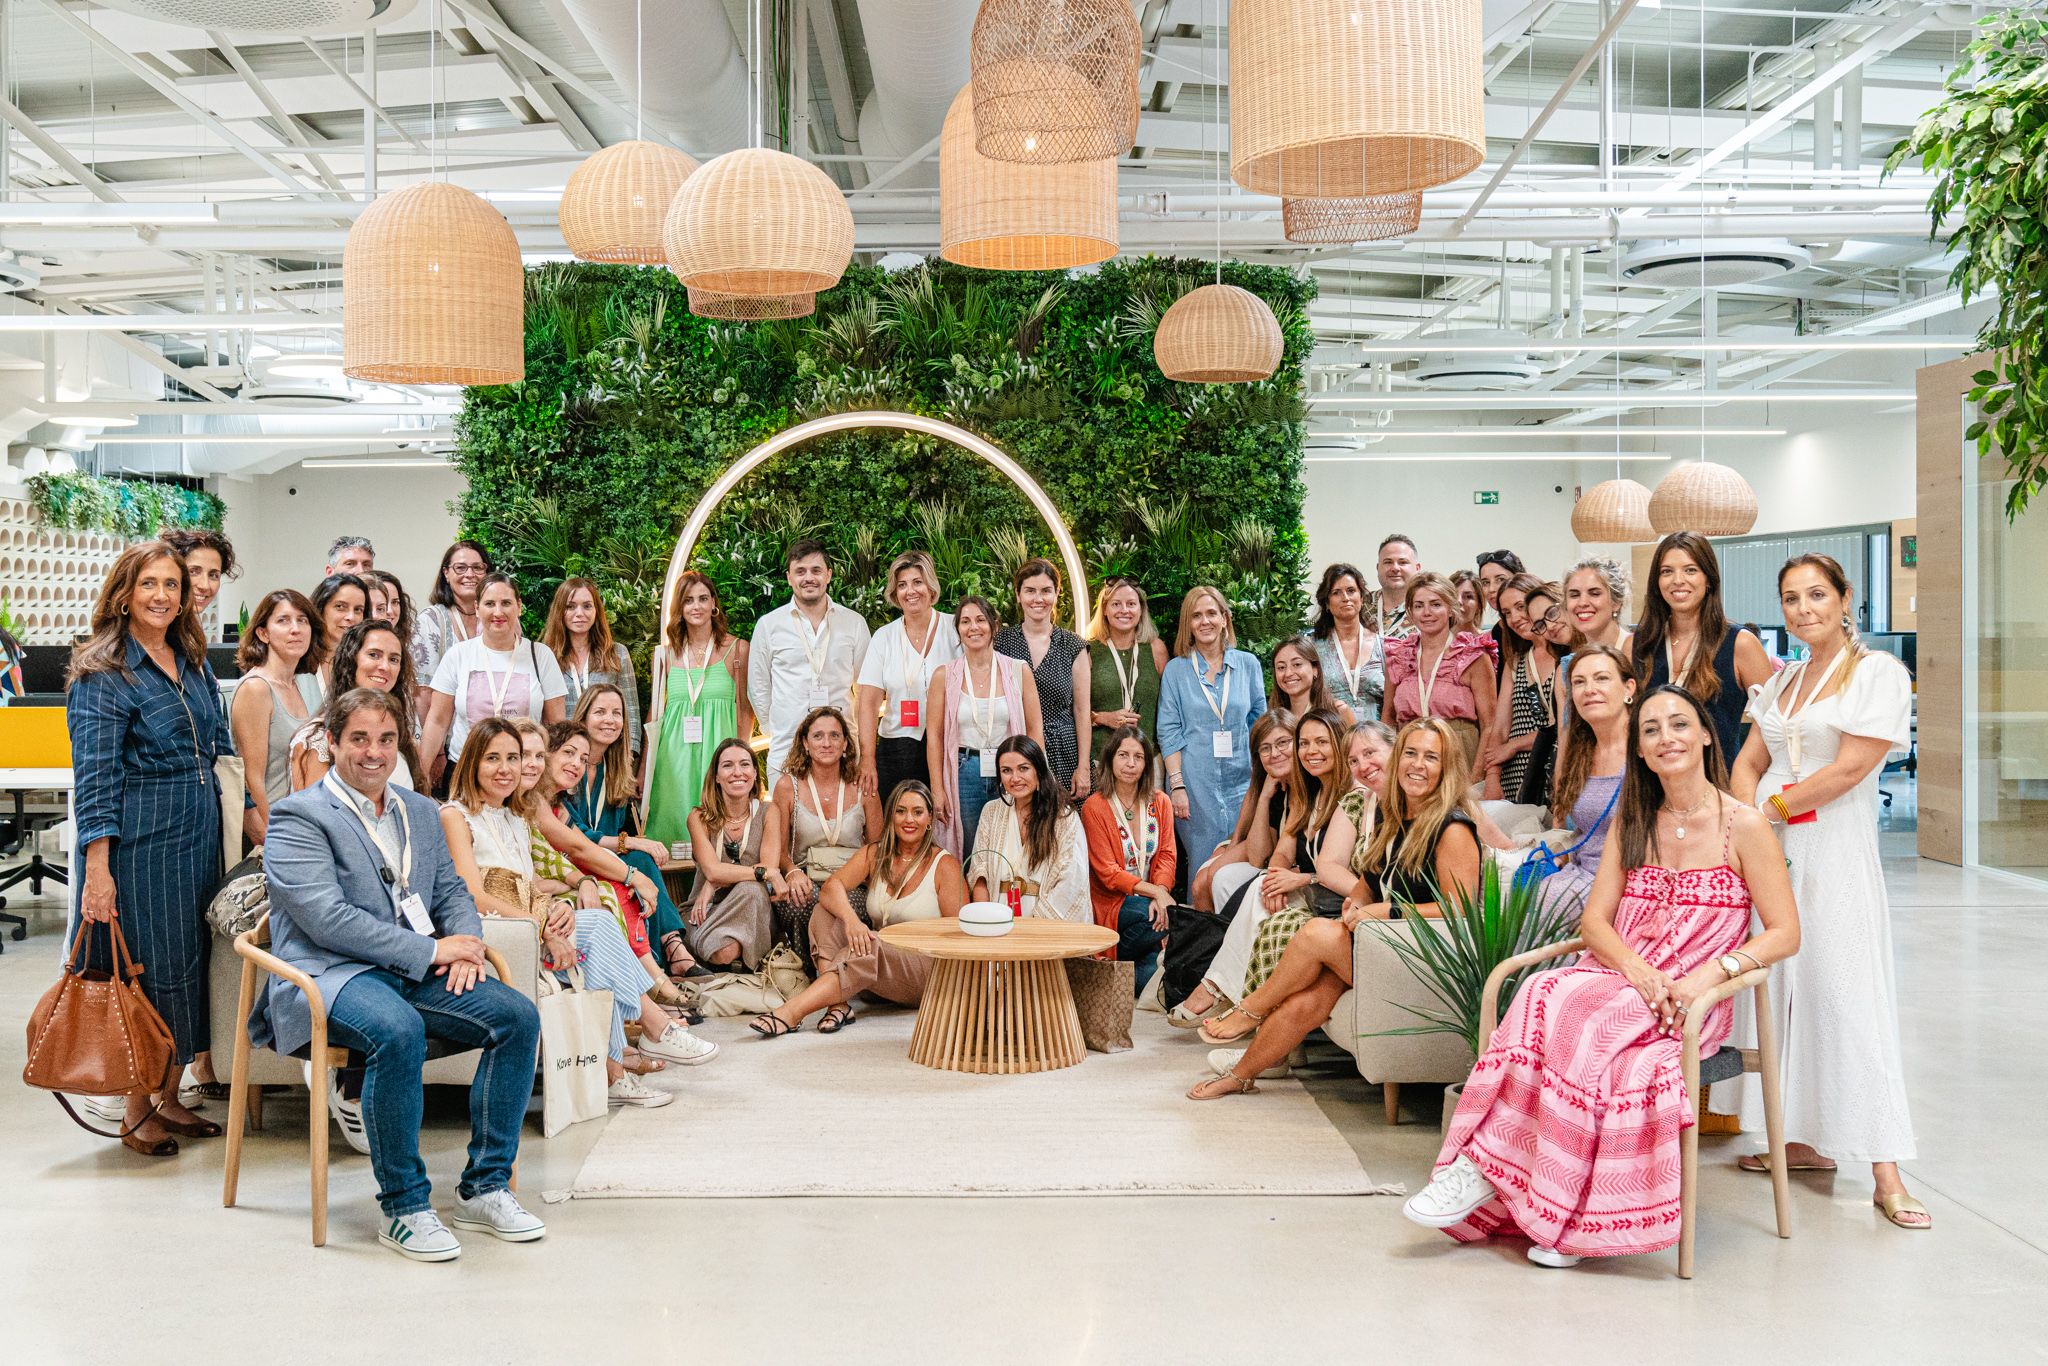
(1804, 818)
(908, 714)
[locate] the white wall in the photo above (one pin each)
(1352, 506)
(281, 525)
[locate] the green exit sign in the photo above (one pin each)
(1486, 497)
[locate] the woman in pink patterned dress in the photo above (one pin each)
(1568, 1128)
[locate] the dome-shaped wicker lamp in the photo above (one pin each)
(1218, 334)
(432, 291)
(1340, 99)
(1000, 215)
(614, 204)
(1704, 497)
(758, 222)
(1055, 80)
(1614, 512)
(1376, 218)
(750, 308)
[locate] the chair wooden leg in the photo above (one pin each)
(256, 1109)
(1390, 1096)
(1689, 1161)
(316, 1106)
(1774, 1116)
(238, 1087)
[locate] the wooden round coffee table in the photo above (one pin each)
(998, 1004)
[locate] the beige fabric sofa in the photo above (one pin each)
(517, 940)
(1380, 984)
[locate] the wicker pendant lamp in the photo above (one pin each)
(1340, 99)
(1218, 334)
(1704, 497)
(1613, 512)
(432, 291)
(1055, 80)
(614, 204)
(760, 223)
(999, 215)
(1376, 218)
(750, 308)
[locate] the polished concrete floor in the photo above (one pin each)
(107, 1257)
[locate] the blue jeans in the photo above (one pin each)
(1136, 940)
(389, 1021)
(975, 793)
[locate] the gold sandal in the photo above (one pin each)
(1898, 1203)
(1208, 1037)
(1240, 1086)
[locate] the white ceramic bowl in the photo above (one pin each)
(986, 918)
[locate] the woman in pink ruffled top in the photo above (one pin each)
(1442, 671)
(1568, 1129)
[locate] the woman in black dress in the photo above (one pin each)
(1685, 638)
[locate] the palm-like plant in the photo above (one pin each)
(1452, 957)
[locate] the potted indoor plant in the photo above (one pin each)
(1452, 956)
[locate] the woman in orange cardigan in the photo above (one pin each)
(1130, 849)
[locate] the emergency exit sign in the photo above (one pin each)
(1486, 497)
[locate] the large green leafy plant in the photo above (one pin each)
(631, 407)
(133, 508)
(1988, 144)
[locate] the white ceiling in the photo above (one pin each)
(1751, 119)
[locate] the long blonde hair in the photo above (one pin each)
(888, 846)
(1416, 832)
(618, 755)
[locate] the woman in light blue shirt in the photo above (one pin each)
(1209, 695)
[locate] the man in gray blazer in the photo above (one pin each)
(365, 900)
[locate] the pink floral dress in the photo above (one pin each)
(1575, 1109)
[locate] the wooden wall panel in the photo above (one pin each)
(1938, 519)
(1905, 578)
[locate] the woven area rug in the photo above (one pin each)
(850, 1114)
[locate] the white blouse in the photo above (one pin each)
(1062, 880)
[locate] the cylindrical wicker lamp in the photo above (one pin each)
(1341, 222)
(614, 204)
(1613, 512)
(1340, 99)
(1000, 215)
(1704, 497)
(759, 222)
(750, 308)
(1218, 334)
(1055, 80)
(432, 291)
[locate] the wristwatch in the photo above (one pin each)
(1731, 965)
(760, 873)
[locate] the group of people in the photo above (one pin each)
(949, 756)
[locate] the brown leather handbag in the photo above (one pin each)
(95, 1034)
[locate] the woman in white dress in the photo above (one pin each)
(1033, 835)
(1824, 729)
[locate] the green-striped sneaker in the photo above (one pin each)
(421, 1236)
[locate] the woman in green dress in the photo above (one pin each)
(1125, 657)
(700, 698)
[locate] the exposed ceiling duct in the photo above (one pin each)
(918, 54)
(696, 71)
(1712, 265)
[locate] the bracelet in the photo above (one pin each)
(1778, 805)
(1754, 961)
(1179, 786)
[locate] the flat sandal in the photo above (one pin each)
(1898, 1203)
(1240, 1086)
(1208, 1037)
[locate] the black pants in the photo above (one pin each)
(896, 760)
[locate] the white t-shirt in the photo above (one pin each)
(486, 682)
(892, 665)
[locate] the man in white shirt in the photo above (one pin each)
(1387, 610)
(805, 654)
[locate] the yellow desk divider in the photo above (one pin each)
(34, 737)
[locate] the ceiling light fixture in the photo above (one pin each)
(1609, 399)
(1519, 457)
(264, 439)
(1687, 345)
(1575, 433)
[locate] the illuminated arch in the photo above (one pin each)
(700, 516)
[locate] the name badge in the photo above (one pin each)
(1219, 743)
(680, 852)
(415, 912)
(820, 696)
(693, 730)
(988, 763)
(906, 714)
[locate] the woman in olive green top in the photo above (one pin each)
(1125, 657)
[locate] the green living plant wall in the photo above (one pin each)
(1987, 142)
(133, 508)
(631, 407)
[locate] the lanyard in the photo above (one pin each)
(1795, 739)
(1546, 694)
(1354, 677)
(818, 809)
(455, 624)
(581, 677)
(1126, 678)
(396, 865)
(918, 676)
(694, 685)
(1671, 674)
(1216, 705)
(1425, 684)
(816, 644)
(985, 720)
(1137, 852)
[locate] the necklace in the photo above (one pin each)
(1694, 810)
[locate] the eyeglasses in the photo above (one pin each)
(1273, 749)
(467, 571)
(1554, 617)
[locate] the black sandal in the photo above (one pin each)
(837, 1018)
(677, 958)
(771, 1026)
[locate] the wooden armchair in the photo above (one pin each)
(1722, 1065)
(253, 945)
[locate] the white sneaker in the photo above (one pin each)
(1550, 1256)
(348, 1114)
(500, 1214)
(630, 1090)
(1451, 1196)
(678, 1044)
(107, 1109)
(1223, 1060)
(422, 1237)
